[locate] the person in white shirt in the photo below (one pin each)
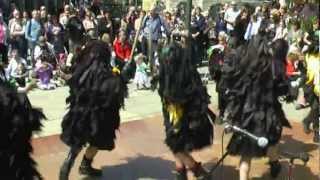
(253, 27)
(231, 15)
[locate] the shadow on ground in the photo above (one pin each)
(291, 144)
(299, 172)
(140, 167)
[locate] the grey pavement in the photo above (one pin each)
(140, 105)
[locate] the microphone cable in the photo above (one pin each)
(222, 152)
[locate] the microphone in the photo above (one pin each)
(261, 141)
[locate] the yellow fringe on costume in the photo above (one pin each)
(175, 114)
(115, 70)
(313, 71)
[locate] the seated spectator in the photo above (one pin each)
(293, 72)
(122, 49)
(17, 73)
(141, 79)
(44, 72)
(21, 75)
(12, 70)
(45, 49)
(291, 67)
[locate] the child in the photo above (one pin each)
(44, 72)
(141, 78)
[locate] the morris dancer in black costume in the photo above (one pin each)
(185, 110)
(254, 75)
(18, 122)
(97, 93)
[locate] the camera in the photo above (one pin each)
(176, 37)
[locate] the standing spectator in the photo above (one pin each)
(56, 38)
(138, 21)
(197, 27)
(231, 15)
(131, 18)
(64, 17)
(105, 24)
(25, 18)
(137, 24)
(240, 28)
(3, 41)
(122, 49)
(253, 27)
(32, 33)
(43, 15)
(169, 22)
(281, 31)
(295, 36)
(153, 28)
(220, 23)
(95, 6)
(75, 31)
(17, 35)
(89, 22)
(265, 11)
(46, 24)
(124, 23)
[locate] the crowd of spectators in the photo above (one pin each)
(39, 43)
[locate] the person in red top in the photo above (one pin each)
(291, 70)
(122, 49)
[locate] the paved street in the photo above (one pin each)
(141, 154)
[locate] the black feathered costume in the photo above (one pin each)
(254, 78)
(18, 122)
(96, 95)
(185, 102)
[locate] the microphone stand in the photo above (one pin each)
(219, 162)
